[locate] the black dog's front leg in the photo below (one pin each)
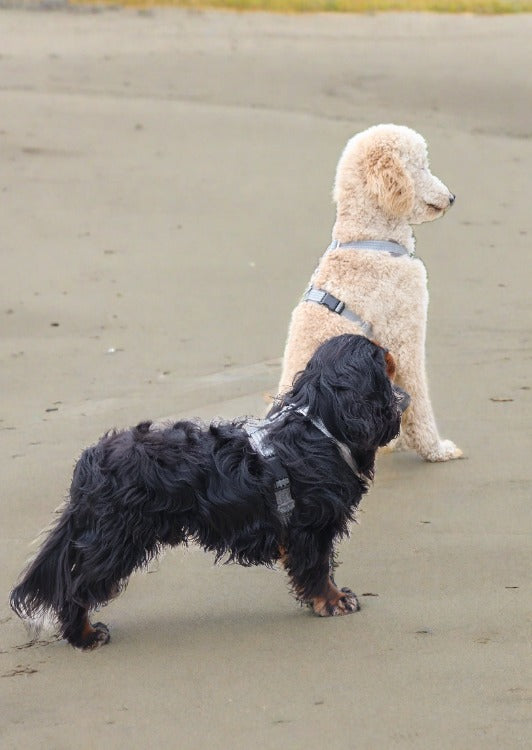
(310, 564)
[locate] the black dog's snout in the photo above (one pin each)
(402, 398)
(452, 198)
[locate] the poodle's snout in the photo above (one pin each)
(452, 198)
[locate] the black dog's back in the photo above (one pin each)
(136, 491)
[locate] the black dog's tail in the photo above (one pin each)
(54, 586)
(46, 584)
(97, 541)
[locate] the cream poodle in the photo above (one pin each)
(369, 281)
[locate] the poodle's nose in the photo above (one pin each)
(452, 199)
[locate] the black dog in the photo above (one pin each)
(281, 490)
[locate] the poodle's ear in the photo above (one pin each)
(388, 182)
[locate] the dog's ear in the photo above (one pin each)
(390, 365)
(388, 182)
(346, 384)
(368, 418)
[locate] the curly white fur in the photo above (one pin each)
(383, 185)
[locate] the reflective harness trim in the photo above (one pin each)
(257, 431)
(257, 437)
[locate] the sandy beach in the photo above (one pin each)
(165, 193)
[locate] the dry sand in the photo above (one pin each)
(164, 195)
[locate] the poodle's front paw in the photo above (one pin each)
(446, 450)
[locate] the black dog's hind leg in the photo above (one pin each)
(81, 633)
(311, 569)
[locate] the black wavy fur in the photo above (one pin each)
(141, 489)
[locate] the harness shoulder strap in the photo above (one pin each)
(342, 447)
(257, 431)
(335, 305)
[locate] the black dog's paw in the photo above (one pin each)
(341, 602)
(350, 601)
(98, 636)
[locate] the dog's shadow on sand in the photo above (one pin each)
(193, 630)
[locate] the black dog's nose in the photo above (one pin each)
(452, 199)
(402, 398)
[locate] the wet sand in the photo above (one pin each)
(164, 196)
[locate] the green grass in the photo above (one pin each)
(333, 6)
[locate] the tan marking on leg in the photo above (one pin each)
(391, 367)
(92, 636)
(335, 602)
(87, 629)
(283, 555)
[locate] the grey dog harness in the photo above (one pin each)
(258, 438)
(383, 246)
(336, 305)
